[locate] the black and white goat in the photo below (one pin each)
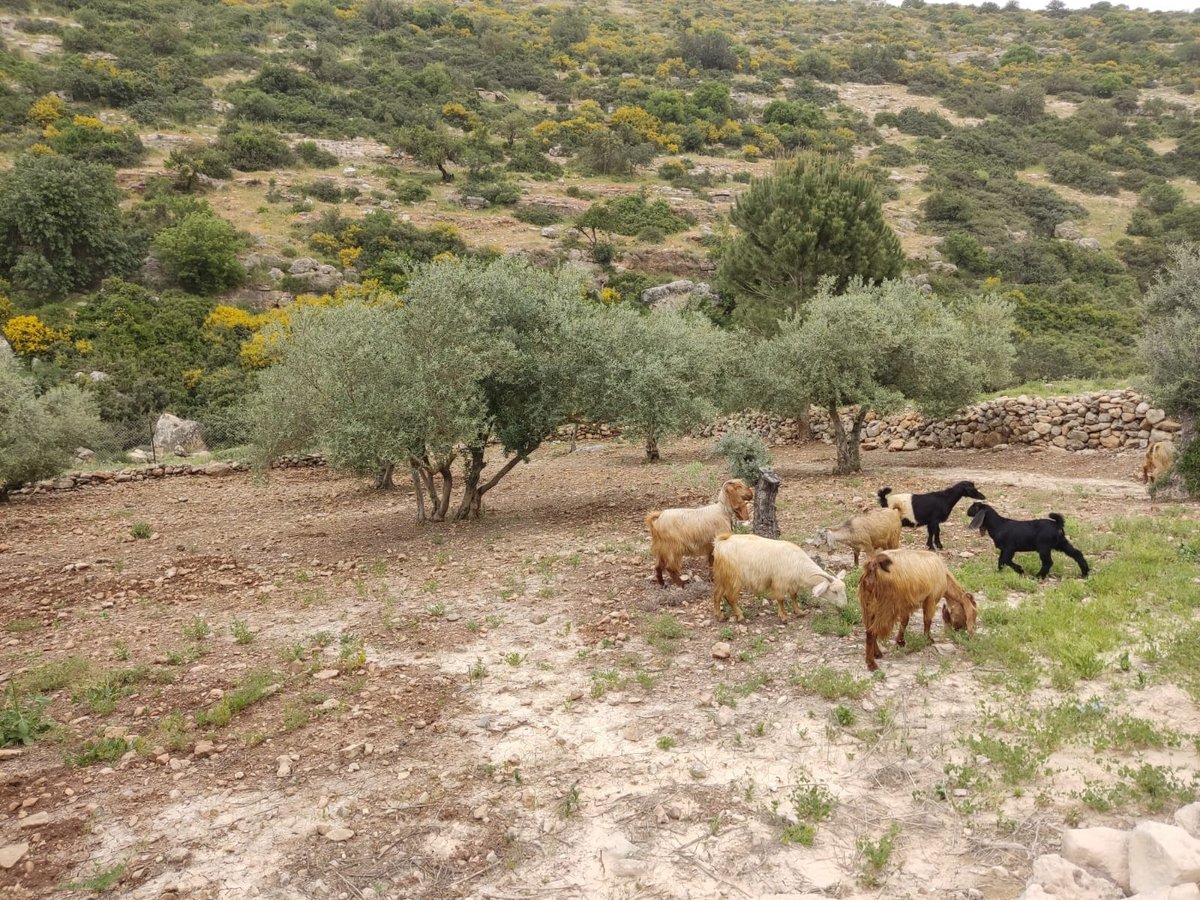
(1012, 536)
(931, 509)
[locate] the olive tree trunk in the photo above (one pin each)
(652, 447)
(766, 523)
(847, 442)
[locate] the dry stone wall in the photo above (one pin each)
(1108, 420)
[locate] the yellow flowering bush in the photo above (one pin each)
(47, 108)
(29, 335)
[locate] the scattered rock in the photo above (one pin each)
(37, 820)
(1067, 231)
(1161, 855)
(171, 432)
(285, 766)
(1103, 850)
(203, 749)
(12, 854)
(339, 833)
(725, 716)
(721, 650)
(326, 674)
(698, 770)
(676, 295)
(1055, 877)
(1188, 818)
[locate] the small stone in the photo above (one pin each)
(178, 854)
(12, 854)
(338, 833)
(698, 770)
(326, 674)
(37, 820)
(203, 749)
(480, 813)
(1188, 818)
(660, 815)
(721, 650)
(285, 766)
(725, 716)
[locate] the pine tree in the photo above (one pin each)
(814, 217)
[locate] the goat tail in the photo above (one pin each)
(652, 518)
(723, 536)
(1059, 519)
(883, 493)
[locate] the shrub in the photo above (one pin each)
(1078, 171)
(409, 191)
(651, 234)
(326, 190)
(964, 250)
(312, 154)
(200, 253)
(254, 149)
(536, 214)
(746, 453)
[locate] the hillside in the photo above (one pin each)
(1048, 157)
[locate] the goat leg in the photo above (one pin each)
(1047, 562)
(873, 652)
(900, 642)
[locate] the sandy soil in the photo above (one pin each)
(513, 732)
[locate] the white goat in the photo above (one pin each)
(778, 569)
(867, 532)
(676, 533)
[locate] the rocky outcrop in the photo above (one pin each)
(677, 295)
(1153, 861)
(313, 277)
(171, 432)
(1107, 420)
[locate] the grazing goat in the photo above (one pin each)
(878, 529)
(1012, 536)
(896, 583)
(1160, 456)
(931, 509)
(778, 569)
(676, 533)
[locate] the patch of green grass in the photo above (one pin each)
(171, 731)
(841, 621)
(296, 652)
(569, 805)
(605, 681)
(801, 833)
(197, 629)
(101, 882)
(876, 856)
(353, 653)
(843, 715)
(252, 688)
(663, 633)
(1147, 788)
(812, 804)
(22, 718)
(241, 632)
(1139, 589)
(17, 626)
(141, 530)
(514, 658)
(103, 750)
(728, 694)
(829, 683)
(55, 675)
(295, 715)
(477, 671)
(666, 742)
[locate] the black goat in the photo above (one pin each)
(931, 509)
(1013, 536)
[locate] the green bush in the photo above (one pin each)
(535, 214)
(311, 154)
(200, 253)
(651, 234)
(410, 191)
(747, 455)
(1078, 171)
(253, 150)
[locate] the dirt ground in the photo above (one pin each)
(489, 710)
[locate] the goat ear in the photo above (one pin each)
(977, 522)
(820, 588)
(840, 576)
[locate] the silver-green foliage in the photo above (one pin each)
(746, 453)
(38, 433)
(1171, 341)
(879, 347)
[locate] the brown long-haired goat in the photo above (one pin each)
(896, 583)
(1160, 456)
(676, 533)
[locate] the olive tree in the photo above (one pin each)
(878, 347)
(38, 433)
(664, 372)
(1170, 347)
(474, 353)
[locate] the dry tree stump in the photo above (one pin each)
(766, 524)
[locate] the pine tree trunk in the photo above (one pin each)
(766, 523)
(652, 448)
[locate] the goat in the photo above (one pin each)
(931, 509)
(1012, 536)
(896, 583)
(676, 533)
(878, 529)
(778, 569)
(1160, 456)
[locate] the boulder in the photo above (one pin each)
(1175, 892)
(1162, 855)
(83, 454)
(302, 265)
(138, 456)
(676, 295)
(173, 432)
(1102, 850)
(1068, 231)
(6, 351)
(1188, 818)
(1055, 877)
(1089, 244)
